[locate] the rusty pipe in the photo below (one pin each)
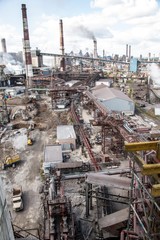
(131, 233)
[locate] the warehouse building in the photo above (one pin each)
(114, 100)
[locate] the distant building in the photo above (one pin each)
(114, 100)
(37, 60)
(134, 65)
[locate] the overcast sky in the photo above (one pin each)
(114, 23)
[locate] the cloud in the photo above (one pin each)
(112, 22)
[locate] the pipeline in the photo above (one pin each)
(85, 139)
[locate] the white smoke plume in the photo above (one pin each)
(154, 72)
(12, 65)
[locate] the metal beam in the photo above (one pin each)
(141, 146)
(155, 191)
(138, 160)
(151, 169)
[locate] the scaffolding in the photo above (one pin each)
(144, 206)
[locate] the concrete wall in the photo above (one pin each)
(6, 231)
(71, 141)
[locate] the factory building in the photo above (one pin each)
(134, 65)
(6, 231)
(114, 100)
(66, 137)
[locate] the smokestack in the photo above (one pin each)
(126, 50)
(62, 63)
(27, 49)
(3, 42)
(149, 56)
(129, 56)
(104, 53)
(95, 48)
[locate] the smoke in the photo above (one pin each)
(84, 32)
(154, 72)
(13, 66)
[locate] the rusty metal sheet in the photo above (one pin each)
(114, 218)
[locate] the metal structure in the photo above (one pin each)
(84, 138)
(59, 221)
(143, 221)
(27, 50)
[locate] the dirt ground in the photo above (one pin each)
(27, 172)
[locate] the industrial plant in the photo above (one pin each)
(80, 144)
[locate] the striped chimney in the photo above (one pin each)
(62, 63)
(27, 49)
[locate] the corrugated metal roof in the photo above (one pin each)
(104, 93)
(53, 153)
(65, 132)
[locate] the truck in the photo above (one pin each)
(10, 161)
(17, 198)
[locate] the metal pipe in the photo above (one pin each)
(27, 49)
(122, 236)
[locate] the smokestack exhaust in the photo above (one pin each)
(95, 48)
(3, 42)
(62, 63)
(27, 49)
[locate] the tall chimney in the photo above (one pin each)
(95, 48)
(104, 53)
(27, 49)
(3, 42)
(126, 50)
(62, 63)
(149, 56)
(129, 56)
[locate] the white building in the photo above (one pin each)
(106, 81)
(114, 100)
(66, 137)
(52, 155)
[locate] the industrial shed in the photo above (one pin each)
(52, 156)
(66, 137)
(114, 100)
